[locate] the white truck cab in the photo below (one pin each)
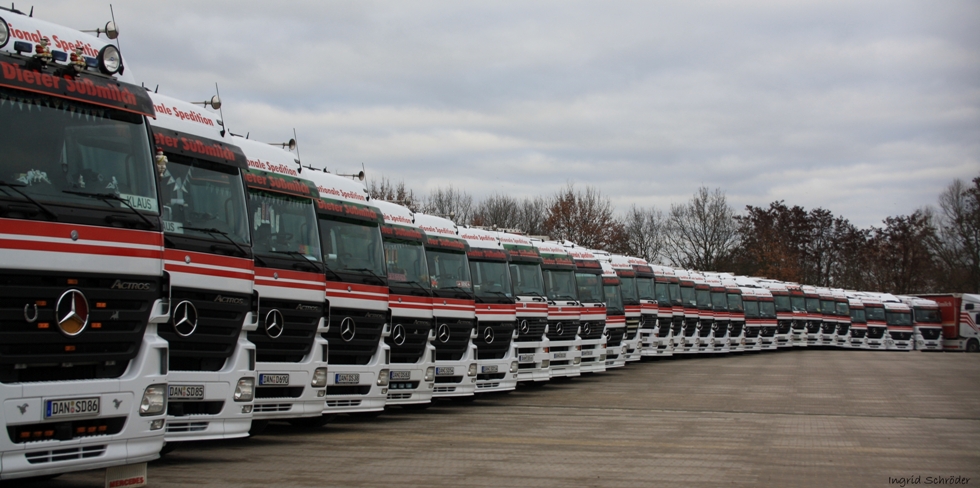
(533, 346)
(564, 309)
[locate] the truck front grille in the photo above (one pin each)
(452, 346)
(930, 334)
(592, 329)
(499, 339)
(293, 343)
(876, 332)
(614, 336)
(565, 332)
(413, 336)
(32, 348)
(354, 335)
(214, 340)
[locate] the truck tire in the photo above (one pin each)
(972, 345)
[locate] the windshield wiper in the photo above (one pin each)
(497, 293)
(413, 283)
(367, 270)
(105, 197)
(295, 253)
(532, 293)
(562, 297)
(14, 186)
(219, 232)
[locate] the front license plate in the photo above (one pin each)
(401, 375)
(446, 371)
(526, 358)
(76, 407)
(187, 392)
(273, 379)
(559, 355)
(347, 378)
(490, 369)
(587, 352)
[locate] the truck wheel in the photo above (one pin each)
(972, 345)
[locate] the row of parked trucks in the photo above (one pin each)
(167, 281)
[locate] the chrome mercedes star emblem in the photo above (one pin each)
(586, 328)
(488, 335)
(398, 334)
(347, 329)
(559, 328)
(185, 318)
(274, 323)
(72, 312)
(525, 328)
(443, 333)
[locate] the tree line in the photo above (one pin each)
(935, 249)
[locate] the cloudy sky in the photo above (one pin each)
(868, 109)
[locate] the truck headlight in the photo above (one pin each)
(430, 373)
(154, 400)
(472, 370)
(245, 390)
(513, 366)
(319, 378)
(383, 377)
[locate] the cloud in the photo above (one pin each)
(866, 108)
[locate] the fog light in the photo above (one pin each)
(383, 377)
(545, 363)
(321, 393)
(245, 391)
(602, 357)
(246, 409)
(154, 400)
(472, 370)
(576, 360)
(157, 424)
(319, 378)
(513, 366)
(430, 373)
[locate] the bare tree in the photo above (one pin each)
(702, 233)
(957, 242)
(584, 217)
(643, 231)
(450, 202)
(531, 216)
(386, 190)
(496, 211)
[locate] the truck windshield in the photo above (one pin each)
(751, 309)
(735, 302)
(898, 318)
(527, 279)
(718, 301)
(875, 313)
(448, 270)
(352, 250)
(589, 288)
(843, 309)
(614, 300)
(783, 303)
(663, 297)
(560, 284)
(828, 306)
(51, 146)
(405, 261)
(628, 288)
(644, 288)
(199, 197)
(283, 224)
(813, 305)
(799, 304)
(688, 297)
(675, 294)
(927, 316)
(857, 316)
(704, 299)
(767, 310)
(490, 279)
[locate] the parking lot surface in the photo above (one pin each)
(788, 418)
